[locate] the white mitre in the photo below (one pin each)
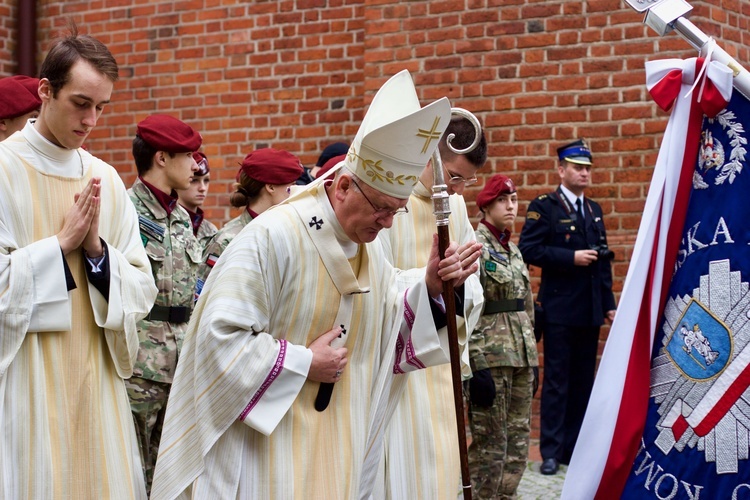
(397, 137)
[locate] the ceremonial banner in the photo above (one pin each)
(668, 392)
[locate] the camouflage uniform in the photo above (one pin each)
(206, 231)
(174, 254)
(218, 244)
(503, 342)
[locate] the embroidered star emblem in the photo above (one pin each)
(316, 222)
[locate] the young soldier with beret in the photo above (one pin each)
(19, 101)
(163, 150)
(193, 197)
(264, 180)
(502, 351)
(564, 235)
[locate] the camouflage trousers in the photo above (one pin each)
(148, 403)
(500, 435)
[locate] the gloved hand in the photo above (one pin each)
(482, 388)
(535, 385)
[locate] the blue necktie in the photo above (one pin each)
(579, 211)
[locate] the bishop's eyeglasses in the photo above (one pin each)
(381, 212)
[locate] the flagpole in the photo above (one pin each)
(664, 16)
(442, 212)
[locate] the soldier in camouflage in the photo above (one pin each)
(264, 179)
(163, 150)
(193, 198)
(502, 350)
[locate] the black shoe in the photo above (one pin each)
(549, 467)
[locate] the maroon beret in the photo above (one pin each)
(496, 186)
(18, 95)
(329, 165)
(271, 166)
(202, 162)
(167, 133)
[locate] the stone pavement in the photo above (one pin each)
(535, 486)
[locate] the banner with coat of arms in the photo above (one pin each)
(669, 417)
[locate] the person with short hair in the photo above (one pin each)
(193, 198)
(74, 281)
(163, 150)
(421, 452)
(564, 235)
(310, 174)
(264, 179)
(502, 351)
(303, 341)
(19, 102)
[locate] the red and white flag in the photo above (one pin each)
(612, 430)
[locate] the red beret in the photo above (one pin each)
(202, 162)
(18, 95)
(329, 165)
(271, 166)
(496, 186)
(167, 133)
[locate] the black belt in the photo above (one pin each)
(502, 306)
(174, 314)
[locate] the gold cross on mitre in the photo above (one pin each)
(430, 135)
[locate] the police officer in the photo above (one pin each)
(163, 150)
(564, 235)
(502, 350)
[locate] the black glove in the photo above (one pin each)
(482, 388)
(535, 386)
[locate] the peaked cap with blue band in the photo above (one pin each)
(575, 152)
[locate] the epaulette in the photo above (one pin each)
(542, 196)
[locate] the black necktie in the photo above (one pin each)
(579, 211)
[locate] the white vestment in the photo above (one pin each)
(421, 447)
(66, 430)
(286, 279)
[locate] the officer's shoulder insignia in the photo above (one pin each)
(490, 266)
(211, 259)
(533, 215)
(541, 197)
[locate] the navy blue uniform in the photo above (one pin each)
(575, 300)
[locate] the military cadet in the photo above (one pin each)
(265, 179)
(193, 198)
(163, 150)
(502, 350)
(19, 101)
(564, 235)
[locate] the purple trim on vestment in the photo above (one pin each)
(411, 358)
(272, 376)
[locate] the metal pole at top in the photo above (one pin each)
(664, 16)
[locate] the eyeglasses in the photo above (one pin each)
(380, 212)
(457, 179)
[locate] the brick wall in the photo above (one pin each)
(297, 75)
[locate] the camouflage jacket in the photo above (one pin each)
(206, 231)
(217, 245)
(174, 254)
(504, 338)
